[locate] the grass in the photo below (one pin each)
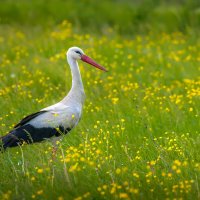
(139, 133)
(125, 17)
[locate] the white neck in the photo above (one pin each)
(77, 91)
(76, 76)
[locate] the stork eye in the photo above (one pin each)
(78, 52)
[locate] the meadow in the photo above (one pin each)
(139, 134)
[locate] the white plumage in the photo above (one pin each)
(56, 119)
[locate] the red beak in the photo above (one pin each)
(88, 60)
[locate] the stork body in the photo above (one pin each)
(58, 119)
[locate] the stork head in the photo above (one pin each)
(77, 54)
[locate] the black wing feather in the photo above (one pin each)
(30, 134)
(27, 133)
(28, 118)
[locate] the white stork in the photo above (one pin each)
(58, 119)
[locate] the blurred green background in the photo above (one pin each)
(123, 16)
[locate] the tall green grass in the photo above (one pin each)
(139, 134)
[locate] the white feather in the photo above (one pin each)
(67, 112)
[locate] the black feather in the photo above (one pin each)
(30, 134)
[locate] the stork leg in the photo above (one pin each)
(55, 142)
(54, 152)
